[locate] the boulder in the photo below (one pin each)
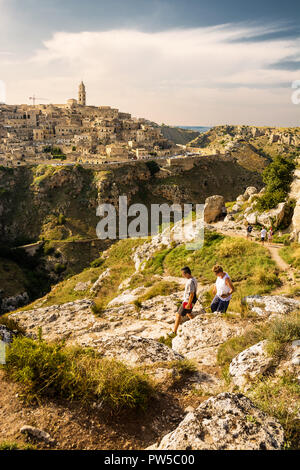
(135, 350)
(127, 297)
(249, 364)
(98, 284)
(296, 353)
(38, 434)
(251, 218)
(6, 335)
(199, 338)
(228, 218)
(82, 286)
(236, 208)
(213, 208)
(249, 192)
(225, 422)
(271, 304)
(274, 217)
(9, 304)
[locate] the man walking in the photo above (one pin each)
(223, 291)
(249, 230)
(263, 235)
(189, 298)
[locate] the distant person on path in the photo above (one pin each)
(270, 235)
(263, 235)
(249, 230)
(189, 298)
(223, 291)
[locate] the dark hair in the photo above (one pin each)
(186, 270)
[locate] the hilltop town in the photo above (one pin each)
(75, 132)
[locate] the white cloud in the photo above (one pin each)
(191, 76)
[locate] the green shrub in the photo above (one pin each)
(160, 288)
(291, 254)
(10, 446)
(274, 396)
(80, 375)
(61, 219)
(277, 177)
(234, 346)
(97, 263)
(59, 268)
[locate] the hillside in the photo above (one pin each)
(178, 135)
(57, 206)
(242, 364)
(252, 146)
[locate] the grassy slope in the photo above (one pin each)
(249, 264)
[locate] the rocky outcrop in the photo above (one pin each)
(58, 322)
(296, 353)
(9, 304)
(135, 350)
(295, 195)
(213, 208)
(127, 297)
(273, 217)
(6, 335)
(250, 191)
(225, 422)
(98, 284)
(249, 364)
(271, 304)
(199, 339)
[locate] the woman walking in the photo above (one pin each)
(223, 291)
(270, 235)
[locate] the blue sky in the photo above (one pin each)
(177, 61)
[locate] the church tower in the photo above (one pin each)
(82, 94)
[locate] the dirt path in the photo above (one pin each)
(273, 250)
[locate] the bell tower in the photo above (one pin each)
(82, 94)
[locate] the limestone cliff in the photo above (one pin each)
(59, 203)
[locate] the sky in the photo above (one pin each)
(181, 62)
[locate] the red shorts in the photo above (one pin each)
(183, 311)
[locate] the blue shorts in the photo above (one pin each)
(219, 305)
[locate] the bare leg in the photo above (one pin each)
(191, 316)
(177, 322)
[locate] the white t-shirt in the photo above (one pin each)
(223, 288)
(263, 233)
(190, 286)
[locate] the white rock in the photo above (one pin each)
(250, 191)
(127, 297)
(98, 284)
(249, 364)
(199, 338)
(271, 304)
(273, 217)
(135, 350)
(251, 218)
(37, 434)
(296, 353)
(225, 422)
